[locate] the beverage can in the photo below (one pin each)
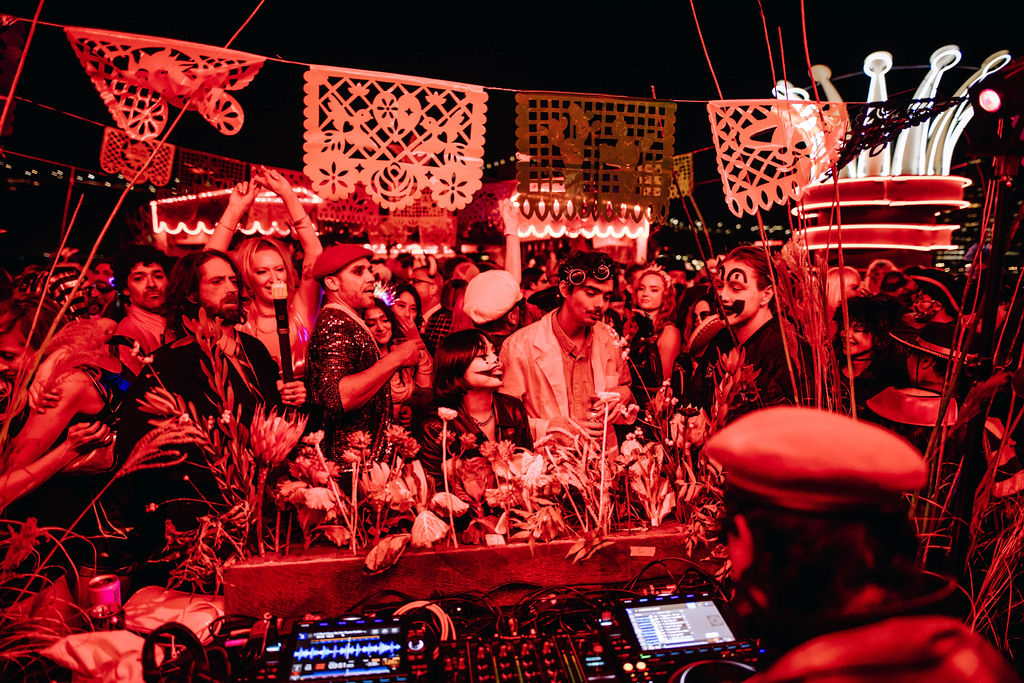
(105, 589)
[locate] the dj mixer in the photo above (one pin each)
(635, 639)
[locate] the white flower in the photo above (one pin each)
(447, 414)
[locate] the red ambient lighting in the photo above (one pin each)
(989, 100)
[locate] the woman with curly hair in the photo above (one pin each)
(875, 357)
(654, 339)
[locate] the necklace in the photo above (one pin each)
(484, 423)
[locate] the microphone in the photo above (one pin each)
(279, 293)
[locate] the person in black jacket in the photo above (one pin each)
(467, 376)
(746, 292)
(202, 281)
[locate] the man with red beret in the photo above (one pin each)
(824, 554)
(348, 378)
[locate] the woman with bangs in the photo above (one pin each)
(467, 377)
(654, 339)
(266, 266)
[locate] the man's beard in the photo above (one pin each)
(229, 311)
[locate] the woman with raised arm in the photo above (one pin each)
(267, 269)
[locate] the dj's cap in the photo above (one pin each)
(809, 459)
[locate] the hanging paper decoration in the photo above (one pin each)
(682, 173)
(436, 225)
(121, 154)
(609, 156)
(879, 123)
(356, 209)
(486, 206)
(195, 169)
(138, 75)
(397, 135)
(770, 150)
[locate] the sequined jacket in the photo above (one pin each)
(339, 347)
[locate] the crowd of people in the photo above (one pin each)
(576, 346)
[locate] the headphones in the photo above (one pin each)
(185, 658)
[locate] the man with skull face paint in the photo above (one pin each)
(746, 293)
(567, 366)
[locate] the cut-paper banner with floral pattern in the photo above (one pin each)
(12, 41)
(397, 135)
(486, 206)
(770, 150)
(357, 209)
(137, 76)
(121, 154)
(196, 170)
(682, 172)
(436, 225)
(598, 157)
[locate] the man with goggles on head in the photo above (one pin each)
(567, 367)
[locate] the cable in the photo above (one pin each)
(447, 626)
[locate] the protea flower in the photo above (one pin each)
(273, 436)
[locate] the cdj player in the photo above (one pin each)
(644, 639)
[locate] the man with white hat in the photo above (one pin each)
(348, 378)
(824, 551)
(492, 302)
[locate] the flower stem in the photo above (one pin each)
(261, 485)
(444, 475)
(355, 504)
(604, 462)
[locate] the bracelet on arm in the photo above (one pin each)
(218, 224)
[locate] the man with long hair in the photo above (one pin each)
(203, 301)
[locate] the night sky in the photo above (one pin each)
(616, 49)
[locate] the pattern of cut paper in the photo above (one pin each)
(436, 225)
(136, 76)
(486, 206)
(121, 154)
(609, 156)
(770, 150)
(682, 172)
(195, 170)
(356, 209)
(397, 135)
